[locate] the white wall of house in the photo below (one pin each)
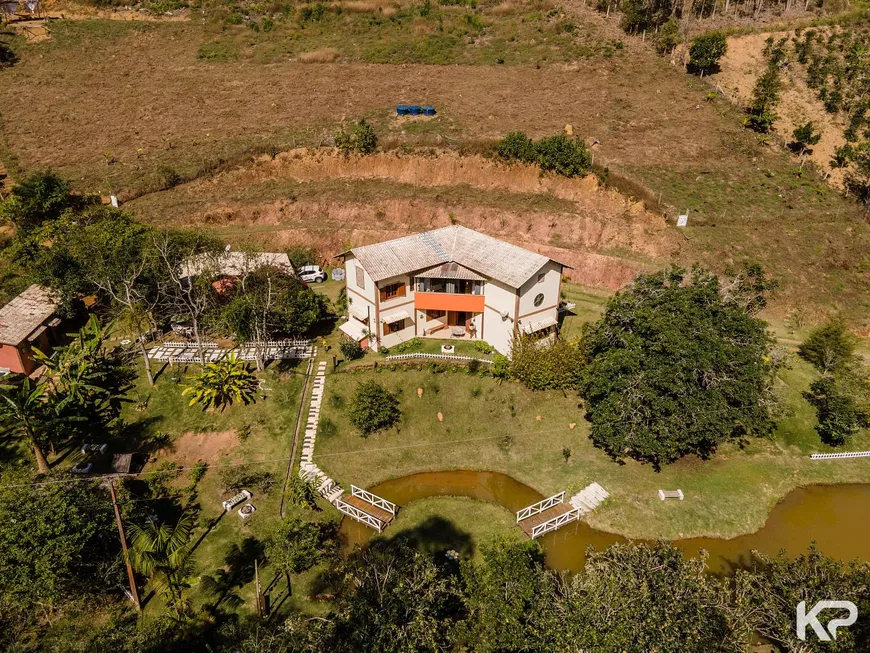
(403, 303)
(361, 297)
(499, 298)
(548, 286)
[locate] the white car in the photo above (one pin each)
(311, 273)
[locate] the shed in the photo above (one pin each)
(26, 322)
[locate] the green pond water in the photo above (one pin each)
(834, 516)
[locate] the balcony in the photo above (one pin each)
(445, 301)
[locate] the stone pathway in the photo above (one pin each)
(309, 471)
(590, 497)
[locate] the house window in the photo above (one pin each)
(539, 299)
(541, 276)
(434, 314)
(360, 278)
(393, 327)
(392, 291)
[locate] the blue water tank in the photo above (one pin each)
(401, 109)
(429, 111)
(415, 110)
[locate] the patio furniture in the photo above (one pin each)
(457, 332)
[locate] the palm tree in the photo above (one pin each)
(221, 384)
(162, 553)
(23, 406)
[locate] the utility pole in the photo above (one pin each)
(133, 591)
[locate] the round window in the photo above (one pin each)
(539, 299)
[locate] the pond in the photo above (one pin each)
(826, 514)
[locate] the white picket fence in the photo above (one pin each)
(833, 456)
(449, 357)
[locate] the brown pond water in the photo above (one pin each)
(834, 516)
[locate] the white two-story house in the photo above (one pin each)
(452, 282)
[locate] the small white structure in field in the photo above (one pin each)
(247, 510)
(229, 504)
(683, 220)
(671, 494)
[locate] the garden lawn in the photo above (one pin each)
(509, 429)
(226, 550)
(464, 525)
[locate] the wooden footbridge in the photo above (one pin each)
(547, 515)
(368, 508)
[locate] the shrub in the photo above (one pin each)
(336, 400)
(805, 136)
(198, 471)
(706, 50)
(562, 155)
(668, 37)
(765, 96)
(327, 428)
(244, 432)
(413, 343)
(301, 493)
(829, 347)
(516, 146)
(244, 477)
(836, 411)
(362, 139)
(546, 367)
(373, 408)
(351, 350)
(483, 347)
(301, 255)
(501, 367)
(312, 13)
(559, 154)
(158, 481)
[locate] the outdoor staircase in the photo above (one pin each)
(326, 487)
(590, 497)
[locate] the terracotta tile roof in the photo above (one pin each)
(485, 255)
(25, 314)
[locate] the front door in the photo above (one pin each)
(458, 318)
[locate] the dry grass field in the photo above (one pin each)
(132, 107)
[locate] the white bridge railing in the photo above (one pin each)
(556, 522)
(847, 454)
(359, 515)
(373, 499)
(541, 506)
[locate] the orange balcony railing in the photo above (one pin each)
(444, 301)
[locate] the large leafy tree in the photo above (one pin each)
(500, 594)
(648, 597)
(58, 542)
(673, 368)
(266, 304)
(117, 256)
(297, 545)
(392, 598)
(774, 586)
(39, 198)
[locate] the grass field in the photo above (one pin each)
(735, 489)
(226, 547)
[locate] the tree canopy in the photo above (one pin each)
(673, 368)
(58, 542)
